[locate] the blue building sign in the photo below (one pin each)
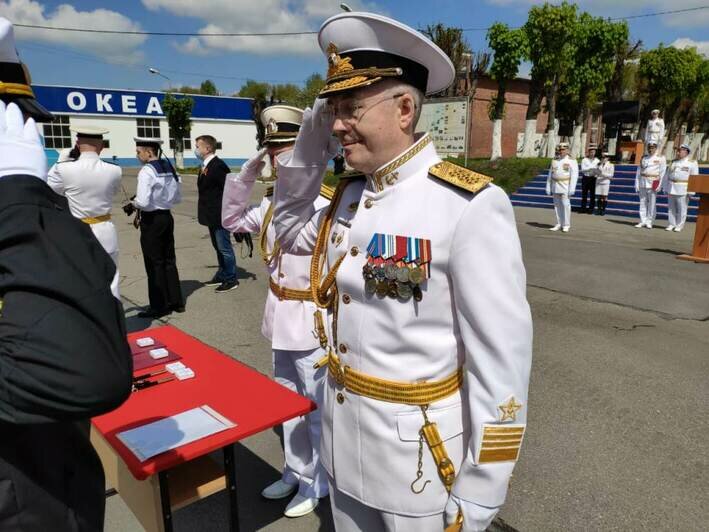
(112, 102)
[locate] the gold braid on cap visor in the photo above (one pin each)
(17, 89)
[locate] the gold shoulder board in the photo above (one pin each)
(459, 176)
(269, 191)
(327, 192)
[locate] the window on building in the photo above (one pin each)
(187, 142)
(149, 127)
(57, 134)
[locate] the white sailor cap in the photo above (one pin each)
(15, 80)
(89, 132)
(282, 123)
(607, 155)
(651, 143)
(563, 146)
(364, 48)
(655, 111)
(685, 147)
(148, 142)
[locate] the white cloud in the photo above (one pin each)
(260, 16)
(613, 8)
(701, 46)
(119, 49)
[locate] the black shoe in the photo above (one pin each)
(152, 313)
(216, 281)
(226, 286)
(178, 308)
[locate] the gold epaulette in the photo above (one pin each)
(269, 191)
(459, 176)
(327, 192)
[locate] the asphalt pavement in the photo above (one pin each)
(617, 425)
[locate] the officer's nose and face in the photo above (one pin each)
(142, 154)
(651, 149)
(366, 121)
(683, 152)
(563, 152)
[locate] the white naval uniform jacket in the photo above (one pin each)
(287, 324)
(651, 168)
(655, 130)
(607, 171)
(89, 185)
(562, 176)
(473, 314)
(589, 164)
(676, 177)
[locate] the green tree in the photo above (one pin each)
(287, 94)
(258, 90)
(508, 47)
(594, 64)
(312, 87)
(208, 87)
(185, 89)
(669, 80)
(178, 111)
(622, 85)
(551, 37)
(453, 43)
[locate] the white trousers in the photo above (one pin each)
(677, 210)
(350, 515)
(648, 201)
(106, 234)
(301, 435)
(562, 207)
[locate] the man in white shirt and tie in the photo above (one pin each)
(588, 180)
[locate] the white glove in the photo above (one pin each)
(315, 144)
(252, 168)
(21, 150)
(475, 517)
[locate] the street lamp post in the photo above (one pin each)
(158, 73)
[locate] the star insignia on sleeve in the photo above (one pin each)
(509, 409)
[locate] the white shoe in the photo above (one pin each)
(678, 229)
(301, 506)
(565, 229)
(649, 226)
(279, 490)
(555, 228)
(641, 224)
(669, 228)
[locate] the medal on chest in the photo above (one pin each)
(396, 266)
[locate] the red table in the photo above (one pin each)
(244, 396)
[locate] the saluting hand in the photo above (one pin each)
(315, 144)
(21, 150)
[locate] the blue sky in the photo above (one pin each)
(99, 60)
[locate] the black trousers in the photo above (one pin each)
(157, 241)
(588, 188)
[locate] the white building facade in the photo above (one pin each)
(127, 114)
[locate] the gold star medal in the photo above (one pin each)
(509, 410)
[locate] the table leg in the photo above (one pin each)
(230, 472)
(165, 501)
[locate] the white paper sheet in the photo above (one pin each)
(159, 436)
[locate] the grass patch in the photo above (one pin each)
(508, 174)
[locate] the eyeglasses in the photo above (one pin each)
(352, 111)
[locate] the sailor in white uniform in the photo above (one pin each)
(647, 182)
(655, 130)
(289, 314)
(561, 183)
(674, 183)
(419, 266)
(89, 184)
(603, 182)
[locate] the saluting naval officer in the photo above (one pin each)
(674, 183)
(64, 357)
(561, 184)
(89, 185)
(158, 191)
(419, 266)
(647, 182)
(289, 314)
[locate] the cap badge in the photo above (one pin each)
(337, 65)
(271, 127)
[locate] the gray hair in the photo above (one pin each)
(397, 87)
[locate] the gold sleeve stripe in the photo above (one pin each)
(490, 441)
(502, 445)
(500, 431)
(498, 455)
